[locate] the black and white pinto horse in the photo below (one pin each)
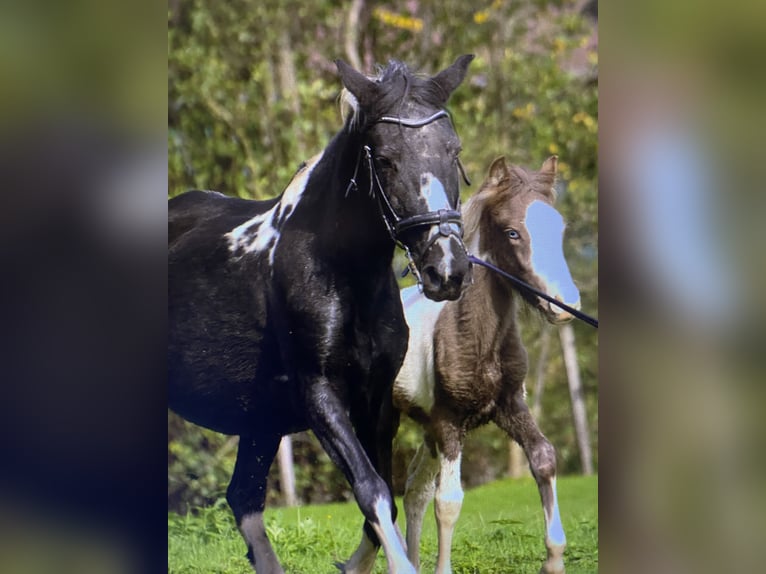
(285, 315)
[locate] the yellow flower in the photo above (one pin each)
(398, 20)
(481, 16)
(553, 149)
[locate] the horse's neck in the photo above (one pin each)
(356, 227)
(488, 309)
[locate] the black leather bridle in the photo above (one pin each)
(449, 221)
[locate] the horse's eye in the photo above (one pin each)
(384, 162)
(513, 234)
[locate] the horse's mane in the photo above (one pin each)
(401, 83)
(471, 220)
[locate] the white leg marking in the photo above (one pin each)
(555, 539)
(389, 538)
(419, 491)
(555, 528)
(363, 560)
(449, 500)
(254, 533)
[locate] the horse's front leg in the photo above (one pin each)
(449, 492)
(247, 497)
(328, 417)
(375, 429)
(517, 421)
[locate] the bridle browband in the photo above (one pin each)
(450, 221)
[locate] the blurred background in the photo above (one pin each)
(85, 86)
(253, 91)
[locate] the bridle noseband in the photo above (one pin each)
(450, 221)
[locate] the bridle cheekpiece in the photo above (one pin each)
(449, 221)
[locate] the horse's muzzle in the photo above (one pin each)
(446, 270)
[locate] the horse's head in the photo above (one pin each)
(511, 222)
(409, 155)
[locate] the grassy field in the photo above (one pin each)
(500, 531)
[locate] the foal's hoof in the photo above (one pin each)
(341, 566)
(553, 567)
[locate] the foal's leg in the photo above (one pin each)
(330, 422)
(247, 497)
(517, 421)
(449, 493)
(421, 483)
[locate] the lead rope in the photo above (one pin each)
(579, 314)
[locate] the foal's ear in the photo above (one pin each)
(550, 165)
(499, 171)
(450, 78)
(363, 89)
(547, 175)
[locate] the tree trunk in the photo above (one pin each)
(517, 460)
(351, 39)
(286, 471)
(566, 333)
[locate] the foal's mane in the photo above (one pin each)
(399, 83)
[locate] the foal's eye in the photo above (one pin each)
(513, 234)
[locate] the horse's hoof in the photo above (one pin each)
(341, 566)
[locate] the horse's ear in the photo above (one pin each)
(355, 82)
(499, 171)
(547, 175)
(450, 78)
(550, 165)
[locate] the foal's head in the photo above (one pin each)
(512, 223)
(409, 149)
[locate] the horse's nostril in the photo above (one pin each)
(455, 281)
(432, 276)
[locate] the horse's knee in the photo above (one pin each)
(542, 461)
(244, 500)
(448, 509)
(372, 495)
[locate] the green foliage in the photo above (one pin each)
(252, 91)
(500, 530)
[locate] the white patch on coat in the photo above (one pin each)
(255, 235)
(433, 193)
(416, 381)
(546, 231)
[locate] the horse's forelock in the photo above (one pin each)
(349, 109)
(539, 182)
(397, 83)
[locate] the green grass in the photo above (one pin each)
(500, 531)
